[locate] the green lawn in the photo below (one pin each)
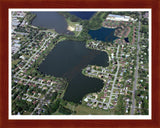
(26, 113)
(71, 23)
(85, 110)
(15, 62)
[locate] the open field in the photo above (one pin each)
(84, 110)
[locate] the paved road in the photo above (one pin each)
(114, 78)
(42, 101)
(35, 82)
(136, 72)
(32, 57)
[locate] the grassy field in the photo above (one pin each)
(85, 110)
(57, 113)
(130, 35)
(71, 23)
(15, 62)
(26, 113)
(96, 20)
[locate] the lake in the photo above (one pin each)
(83, 15)
(103, 34)
(51, 20)
(67, 60)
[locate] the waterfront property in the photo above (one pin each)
(53, 76)
(67, 60)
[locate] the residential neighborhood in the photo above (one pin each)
(124, 74)
(125, 80)
(35, 85)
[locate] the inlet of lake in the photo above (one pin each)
(68, 58)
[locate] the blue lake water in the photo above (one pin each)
(103, 34)
(67, 60)
(51, 20)
(83, 15)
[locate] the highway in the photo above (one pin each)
(136, 71)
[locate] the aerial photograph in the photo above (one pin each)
(79, 62)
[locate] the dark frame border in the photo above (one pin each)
(6, 4)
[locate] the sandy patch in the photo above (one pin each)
(70, 28)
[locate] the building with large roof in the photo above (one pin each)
(119, 18)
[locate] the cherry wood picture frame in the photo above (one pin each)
(154, 5)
